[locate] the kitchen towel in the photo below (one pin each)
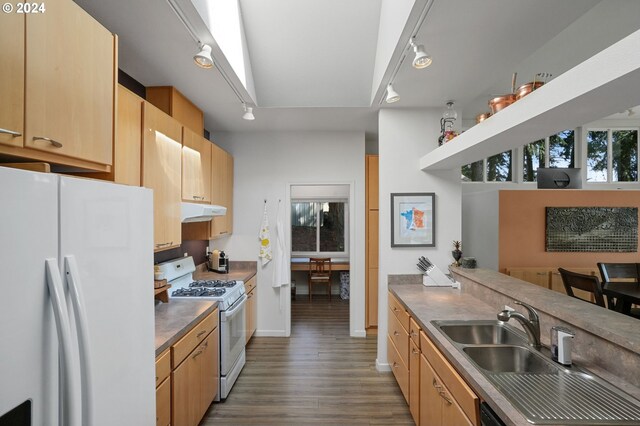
(265, 239)
(281, 269)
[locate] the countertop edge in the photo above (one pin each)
(185, 328)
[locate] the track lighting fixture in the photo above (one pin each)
(248, 113)
(422, 59)
(203, 58)
(630, 112)
(392, 95)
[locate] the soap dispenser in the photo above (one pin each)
(561, 344)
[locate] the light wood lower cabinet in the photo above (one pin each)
(161, 171)
(537, 276)
(251, 308)
(163, 403)
(437, 405)
(195, 381)
(437, 395)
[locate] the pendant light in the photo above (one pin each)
(450, 113)
(203, 58)
(392, 95)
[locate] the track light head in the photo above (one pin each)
(248, 113)
(203, 58)
(422, 58)
(392, 95)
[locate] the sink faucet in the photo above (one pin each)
(531, 325)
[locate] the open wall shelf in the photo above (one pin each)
(604, 84)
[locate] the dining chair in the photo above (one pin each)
(620, 272)
(588, 283)
(319, 273)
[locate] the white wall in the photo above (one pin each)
(266, 164)
(405, 135)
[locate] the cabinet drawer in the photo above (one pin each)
(163, 403)
(399, 336)
(163, 366)
(399, 311)
(414, 332)
(399, 368)
(184, 346)
(456, 385)
(250, 284)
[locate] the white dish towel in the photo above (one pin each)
(265, 239)
(281, 269)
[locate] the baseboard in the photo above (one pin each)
(270, 333)
(382, 367)
(358, 333)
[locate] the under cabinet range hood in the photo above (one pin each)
(192, 212)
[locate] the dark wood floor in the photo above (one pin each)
(318, 375)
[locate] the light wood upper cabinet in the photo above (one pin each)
(12, 79)
(174, 103)
(222, 191)
(128, 143)
(70, 83)
(196, 167)
(161, 171)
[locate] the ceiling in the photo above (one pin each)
(312, 60)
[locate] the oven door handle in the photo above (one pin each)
(235, 307)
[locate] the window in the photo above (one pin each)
(562, 150)
(555, 151)
(498, 169)
(533, 157)
(319, 227)
(473, 172)
(612, 155)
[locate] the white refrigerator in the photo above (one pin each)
(76, 302)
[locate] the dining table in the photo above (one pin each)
(626, 294)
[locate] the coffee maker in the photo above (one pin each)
(217, 261)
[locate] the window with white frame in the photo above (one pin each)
(497, 168)
(555, 151)
(319, 228)
(612, 155)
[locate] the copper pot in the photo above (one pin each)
(525, 89)
(500, 102)
(481, 117)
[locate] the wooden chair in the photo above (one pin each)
(588, 283)
(319, 273)
(622, 272)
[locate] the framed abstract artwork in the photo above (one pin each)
(413, 220)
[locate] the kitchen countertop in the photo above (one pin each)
(238, 270)
(176, 318)
(426, 304)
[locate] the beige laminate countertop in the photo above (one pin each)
(426, 304)
(239, 271)
(176, 318)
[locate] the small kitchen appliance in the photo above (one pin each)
(218, 262)
(231, 297)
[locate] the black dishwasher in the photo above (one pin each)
(488, 417)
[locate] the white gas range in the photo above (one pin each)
(231, 298)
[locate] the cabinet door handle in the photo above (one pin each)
(10, 132)
(53, 142)
(395, 365)
(445, 397)
(201, 333)
(436, 385)
(413, 333)
(164, 244)
(395, 309)
(414, 351)
(197, 353)
(395, 333)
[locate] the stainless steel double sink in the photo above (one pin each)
(543, 391)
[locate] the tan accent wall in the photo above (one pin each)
(522, 226)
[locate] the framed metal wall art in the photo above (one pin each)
(413, 219)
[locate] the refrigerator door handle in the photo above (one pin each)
(60, 313)
(74, 284)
